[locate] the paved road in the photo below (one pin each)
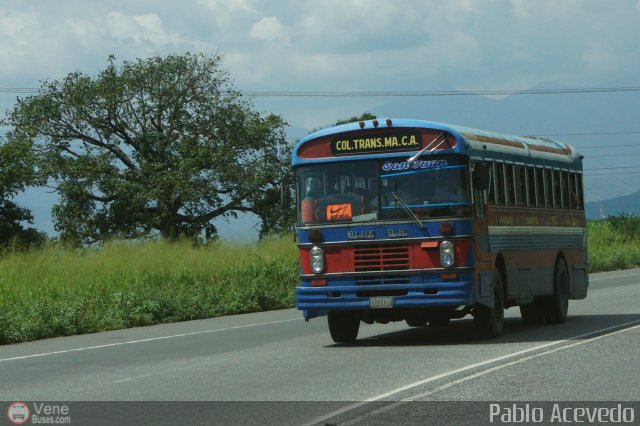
(276, 356)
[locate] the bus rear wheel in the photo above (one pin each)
(343, 326)
(489, 322)
(557, 305)
(533, 313)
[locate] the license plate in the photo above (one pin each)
(382, 302)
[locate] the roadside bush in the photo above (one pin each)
(58, 291)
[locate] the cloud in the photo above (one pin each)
(13, 25)
(140, 29)
(269, 29)
(17, 31)
(336, 44)
(227, 13)
(519, 8)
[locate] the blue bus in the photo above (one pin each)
(424, 222)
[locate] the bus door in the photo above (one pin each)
(482, 181)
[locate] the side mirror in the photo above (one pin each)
(481, 176)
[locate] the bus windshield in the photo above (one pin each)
(363, 191)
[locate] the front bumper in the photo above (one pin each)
(416, 292)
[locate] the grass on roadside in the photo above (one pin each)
(611, 249)
(56, 292)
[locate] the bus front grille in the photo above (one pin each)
(382, 279)
(381, 258)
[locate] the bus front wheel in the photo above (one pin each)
(557, 305)
(343, 326)
(489, 322)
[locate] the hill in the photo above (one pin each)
(614, 206)
(577, 119)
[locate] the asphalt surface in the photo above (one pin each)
(306, 378)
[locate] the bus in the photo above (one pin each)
(424, 222)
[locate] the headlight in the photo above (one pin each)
(317, 260)
(447, 257)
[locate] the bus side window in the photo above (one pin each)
(491, 197)
(499, 183)
(521, 187)
(580, 194)
(540, 186)
(508, 179)
(566, 194)
(531, 187)
(548, 189)
(557, 188)
(573, 187)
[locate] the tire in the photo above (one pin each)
(489, 322)
(533, 313)
(556, 306)
(416, 322)
(343, 326)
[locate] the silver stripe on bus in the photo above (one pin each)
(508, 230)
(535, 237)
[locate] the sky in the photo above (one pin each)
(333, 45)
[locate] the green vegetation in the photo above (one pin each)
(163, 145)
(56, 292)
(16, 173)
(364, 117)
(614, 243)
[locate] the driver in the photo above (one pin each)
(449, 190)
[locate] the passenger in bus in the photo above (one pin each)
(314, 188)
(575, 201)
(449, 191)
(448, 197)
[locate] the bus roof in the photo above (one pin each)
(476, 143)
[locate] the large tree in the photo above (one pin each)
(162, 145)
(365, 116)
(17, 171)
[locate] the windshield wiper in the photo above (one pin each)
(415, 157)
(407, 209)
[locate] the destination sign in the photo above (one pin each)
(371, 144)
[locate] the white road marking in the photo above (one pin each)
(144, 376)
(469, 367)
(480, 374)
(609, 278)
(151, 339)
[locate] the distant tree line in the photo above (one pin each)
(626, 225)
(152, 147)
